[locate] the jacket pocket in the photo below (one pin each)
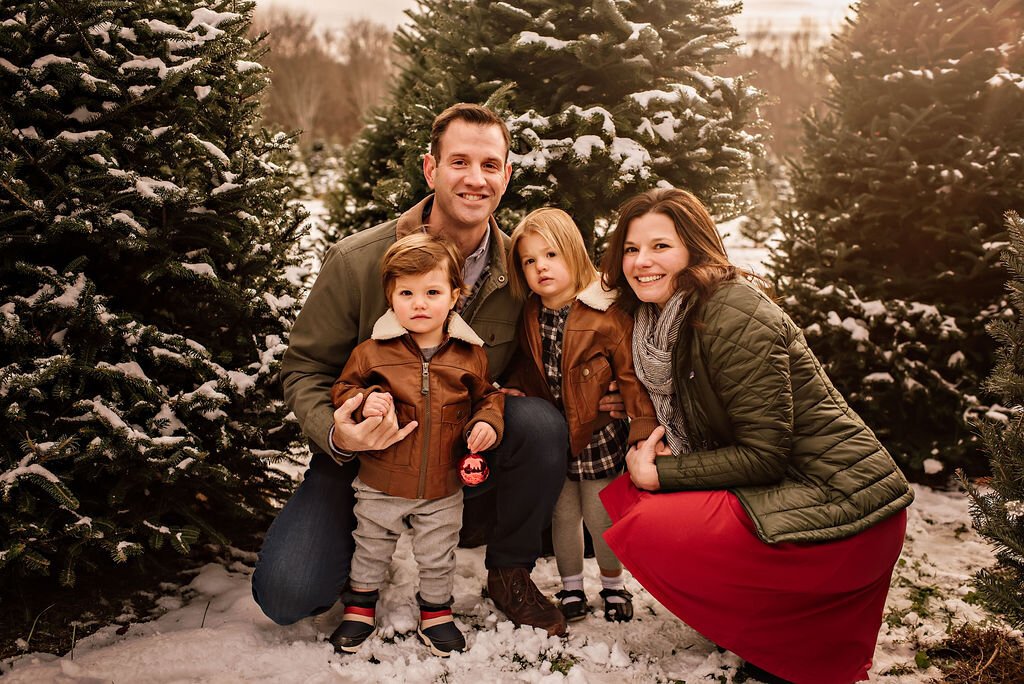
(588, 382)
(499, 343)
(405, 451)
(453, 421)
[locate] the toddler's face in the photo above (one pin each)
(546, 271)
(422, 302)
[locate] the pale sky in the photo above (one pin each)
(783, 14)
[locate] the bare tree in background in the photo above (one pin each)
(788, 67)
(365, 47)
(322, 82)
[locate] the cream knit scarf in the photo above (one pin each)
(654, 339)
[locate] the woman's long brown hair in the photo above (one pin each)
(709, 265)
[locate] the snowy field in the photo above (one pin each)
(211, 631)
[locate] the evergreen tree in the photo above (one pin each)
(603, 99)
(889, 251)
(998, 512)
(145, 282)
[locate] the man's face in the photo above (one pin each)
(470, 176)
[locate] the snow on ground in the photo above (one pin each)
(211, 631)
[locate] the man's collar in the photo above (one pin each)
(481, 249)
(414, 221)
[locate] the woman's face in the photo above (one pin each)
(652, 257)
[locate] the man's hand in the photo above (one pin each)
(481, 438)
(511, 392)
(640, 461)
(373, 434)
(612, 402)
(377, 404)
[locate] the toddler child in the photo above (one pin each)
(423, 363)
(571, 346)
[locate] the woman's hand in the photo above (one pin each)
(640, 461)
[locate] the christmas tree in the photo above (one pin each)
(998, 512)
(146, 282)
(603, 99)
(890, 248)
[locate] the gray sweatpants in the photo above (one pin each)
(580, 502)
(380, 521)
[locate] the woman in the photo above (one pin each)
(764, 513)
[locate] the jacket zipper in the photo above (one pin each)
(425, 450)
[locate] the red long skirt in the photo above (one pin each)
(809, 613)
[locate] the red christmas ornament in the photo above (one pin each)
(473, 469)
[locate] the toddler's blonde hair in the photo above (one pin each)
(560, 232)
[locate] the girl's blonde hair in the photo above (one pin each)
(560, 232)
(420, 253)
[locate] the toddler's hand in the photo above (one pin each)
(481, 438)
(377, 404)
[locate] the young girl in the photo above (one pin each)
(572, 345)
(425, 363)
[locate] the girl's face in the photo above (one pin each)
(652, 256)
(421, 303)
(547, 273)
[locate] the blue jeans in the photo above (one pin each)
(306, 554)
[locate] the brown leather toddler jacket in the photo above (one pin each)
(446, 395)
(596, 349)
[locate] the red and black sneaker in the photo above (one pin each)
(359, 621)
(438, 630)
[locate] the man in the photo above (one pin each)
(305, 558)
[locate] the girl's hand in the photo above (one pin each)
(640, 461)
(612, 402)
(481, 438)
(511, 392)
(378, 404)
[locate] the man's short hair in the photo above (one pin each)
(470, 113)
